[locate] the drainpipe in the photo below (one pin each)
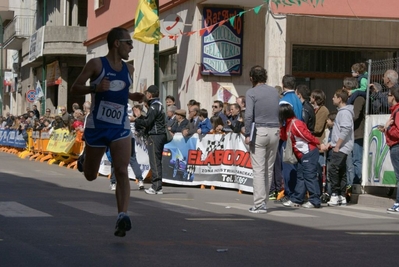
(156, 56)
(44, 84)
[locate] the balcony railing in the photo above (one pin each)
(19, 27)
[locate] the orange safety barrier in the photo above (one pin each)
(37, 149)
(36, 141)
(77, 149)
(29, 148)
(44, 138)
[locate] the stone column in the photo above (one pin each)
(275, 49)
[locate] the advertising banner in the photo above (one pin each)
(61, 141)
(11, 138)
(213, 160)
(377, 165)
(142, 159)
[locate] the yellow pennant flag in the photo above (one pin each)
(146, 28)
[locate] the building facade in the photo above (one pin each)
(318, 44)
(45, 39)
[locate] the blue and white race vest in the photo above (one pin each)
(109, 108)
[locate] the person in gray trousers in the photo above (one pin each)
(262, 134)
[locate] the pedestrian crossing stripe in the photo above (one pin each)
(297, 212)
(15, 209)
(277, 213)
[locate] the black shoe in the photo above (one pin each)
(123, 224)
(81, 159)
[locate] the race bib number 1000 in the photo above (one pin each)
(110, 112)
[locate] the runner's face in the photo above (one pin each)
(125, 46)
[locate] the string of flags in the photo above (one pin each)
(220, 23)
(147, 28)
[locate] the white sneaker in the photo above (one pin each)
(141, 185)
(289, 203)
(112, 187)
(151, 191)
(342, 200)
(334, 200)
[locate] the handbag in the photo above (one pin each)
(288, 151)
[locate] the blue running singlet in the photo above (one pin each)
(109, 108)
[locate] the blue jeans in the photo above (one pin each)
(357, 158)
(289, 173)
(307, 179)
(394, 153)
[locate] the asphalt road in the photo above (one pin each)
(52, 216)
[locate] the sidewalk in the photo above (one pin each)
(376, 197)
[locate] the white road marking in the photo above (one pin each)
(15, 209)
(217, 219)
(370, 233)
(273, 212)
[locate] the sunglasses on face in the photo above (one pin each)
(128, 41)
(214, 106)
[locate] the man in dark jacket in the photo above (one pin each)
(154, 123)
(308, 115)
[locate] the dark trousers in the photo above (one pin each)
(337, 172)
(289, 172)
(277, 179)
(155, 144)
(307, 179)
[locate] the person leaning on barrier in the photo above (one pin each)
(192, 126)
(170, 116)
(236, 122)
(205, 126)
(217, 125)
(181, 121)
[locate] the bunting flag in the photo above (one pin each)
(147, 27)
(38, 91)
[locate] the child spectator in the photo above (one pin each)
(306, 149)
(205, 125)
(217, 125)
(342, 139)
(326, 141)
(359, 71)
(47, 125)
